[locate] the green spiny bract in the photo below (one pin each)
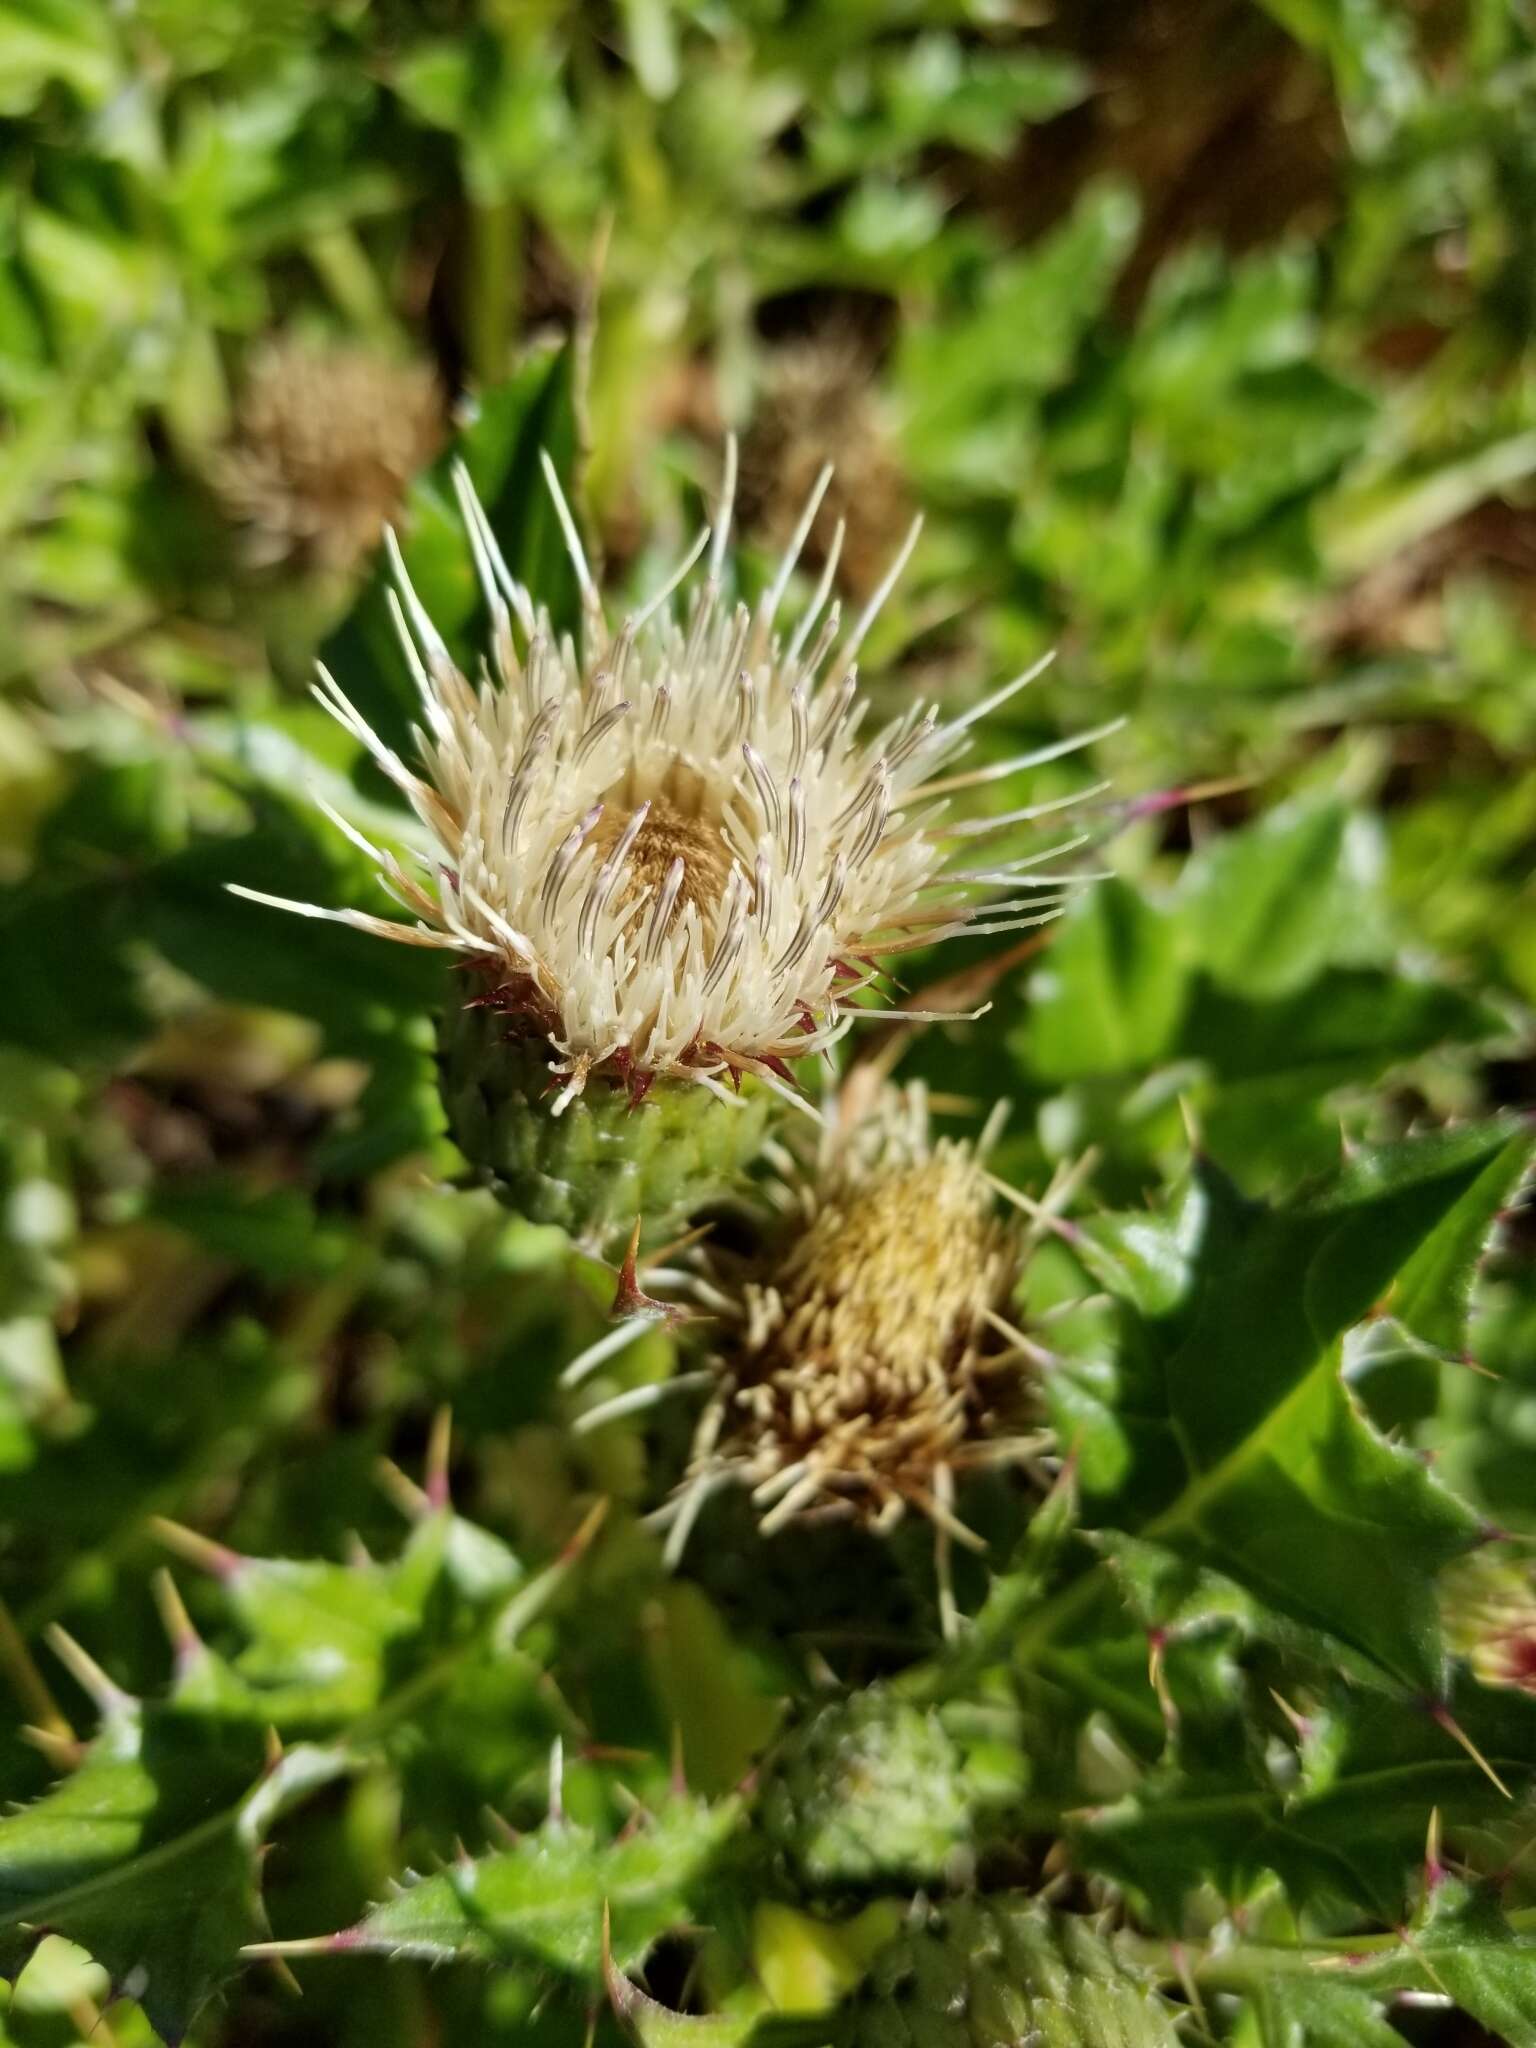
(993, 1973)
(612, 1154)
(871, 1788)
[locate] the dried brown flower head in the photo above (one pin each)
(865, 1356)
(326, 441)
(819, 404)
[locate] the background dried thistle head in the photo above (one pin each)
(326, 438)
(819, 401)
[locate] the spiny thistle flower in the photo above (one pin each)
(326, 440)
(865, 1354)
(818, 403)
(674, 862)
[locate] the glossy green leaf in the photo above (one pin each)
(1109, 997)
(1433, 1294)
(1290, 1488)
(1269, 908)
(1350, 1023)
(1272, 1475)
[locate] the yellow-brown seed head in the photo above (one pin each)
(864, 1364)
(326, 441)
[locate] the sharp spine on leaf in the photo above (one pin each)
(187, 1646)
(64, 1752)
(1298, 1720)
(630, 1298)
(500, 1825)
(197, 1549)
(1434, 1870)
(108, 1695)
(1443, 1718)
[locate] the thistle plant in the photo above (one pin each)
(1055, 1584)
(672, 864)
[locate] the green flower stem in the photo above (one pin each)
(491, 286)
(1245, 1969)
(343, 267)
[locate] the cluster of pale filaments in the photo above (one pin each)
(680, 852)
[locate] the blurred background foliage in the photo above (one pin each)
(1201, 331)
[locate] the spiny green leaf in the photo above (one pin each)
(1433, 1294)
(1295, 2009)
(1287, 1487)
(541, 1902)
(1462, 1945)
(146, 1854)
(326, 1642)
(1336, 1802)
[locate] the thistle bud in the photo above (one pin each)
(613, 1154)
(994, 1973)
(870, 1789)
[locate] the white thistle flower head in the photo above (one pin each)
(679, 853)
(865, 1355)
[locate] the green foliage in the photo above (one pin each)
(148, 1853)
